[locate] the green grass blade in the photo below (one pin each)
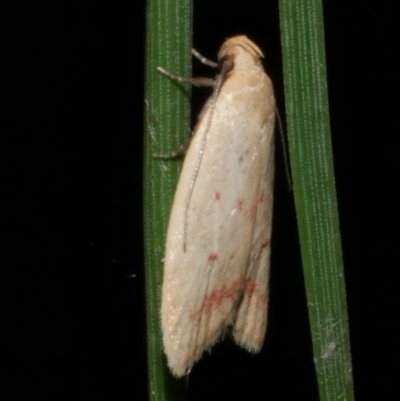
(315, 195)
(167, 124)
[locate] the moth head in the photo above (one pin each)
(238, 50)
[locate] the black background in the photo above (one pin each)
(71, 144)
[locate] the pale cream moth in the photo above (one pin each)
(217, 257)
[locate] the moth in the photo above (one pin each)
(216, 266)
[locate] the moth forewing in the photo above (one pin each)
(218, 281)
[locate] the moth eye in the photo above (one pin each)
(226, 63)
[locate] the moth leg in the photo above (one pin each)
(174, 153)
(203, 59)
(193, 81)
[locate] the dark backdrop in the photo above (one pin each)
(71, 141)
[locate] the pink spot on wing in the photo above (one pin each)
(261, 198)
(212, 257)
(266, 243)
(254, 291)
(248, 209)
(250, 287)
(218, 296)
(218, 195)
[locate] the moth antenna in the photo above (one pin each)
(284, 149)
(218, 85)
